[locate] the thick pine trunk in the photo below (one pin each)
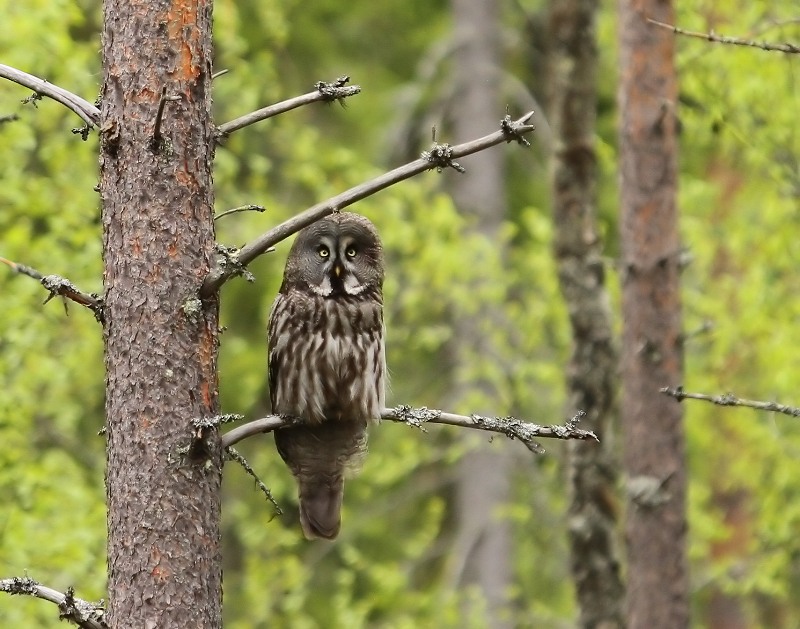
(158, 235)
(652, 355)
(592, 371)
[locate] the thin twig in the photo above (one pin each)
(58, 286)
(511, 427)
(241, 208)
(82, 613)
(219, 73)
(83, 108)
(512, 131)
(735, 41)
(234, 455)
(157, 138)
(728, 399)
(328, 92)
(205, 427)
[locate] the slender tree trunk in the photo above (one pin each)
(161, 350)
(652, 354)
(726, 610)
(591, 375)
(483, 540)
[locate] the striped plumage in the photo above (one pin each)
(326, 360)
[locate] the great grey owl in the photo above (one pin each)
(327, 363)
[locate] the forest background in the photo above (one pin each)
(399, 562)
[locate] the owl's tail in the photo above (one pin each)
(320, 456)
(321, 506)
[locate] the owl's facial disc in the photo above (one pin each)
(336, 260)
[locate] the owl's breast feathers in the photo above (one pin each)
(326, 356)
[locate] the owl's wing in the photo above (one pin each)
(274, 354)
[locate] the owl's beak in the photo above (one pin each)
(337, 268)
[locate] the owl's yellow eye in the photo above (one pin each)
(351, 252)
(323, 251)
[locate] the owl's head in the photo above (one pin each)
(339, 254)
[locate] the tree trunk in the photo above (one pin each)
(161, 350)
(591, 375)
(652, 354)
(482, 539)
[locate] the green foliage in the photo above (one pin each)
(739, 196)
(51, 464)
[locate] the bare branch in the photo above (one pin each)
(511, 427)
(83, 108)
(336, 90)
(157, 139)
(728, 399)
(242, 208)
(255, 427)
(82, 613)
(58, 286)
(735, 41)
(512, 131)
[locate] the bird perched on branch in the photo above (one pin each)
(327, 362)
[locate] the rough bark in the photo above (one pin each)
(591, 374)
(652, 355)
(482, 540)
(163, 512)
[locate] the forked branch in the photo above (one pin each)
(58, 286)
(82, 613)
(510, 131)
(335, 90)
(83, 108)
